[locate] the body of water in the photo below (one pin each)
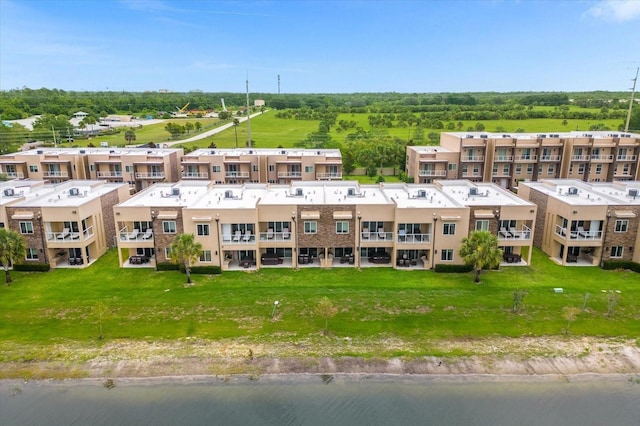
(322, 400)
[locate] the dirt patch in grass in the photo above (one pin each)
(384, 355)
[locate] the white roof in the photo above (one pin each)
(418, 196)
(480, 194)
(180, 194)
(294, 152)
(571, 191)
(559, 134)
(104, 151)
(68, 194)
(624, 193)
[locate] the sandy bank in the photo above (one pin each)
(488, 357)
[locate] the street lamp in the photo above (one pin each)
(359, 240)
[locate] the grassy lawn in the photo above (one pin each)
(414, 306)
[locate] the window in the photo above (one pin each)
(622, 225)
(581, 169)
(453, 166)
(449, 228)
(482, 225)
(465, 169)
(33, 168)
(128, 169)
(551, 169)
(308, 169)
(167, 252)
(446, 255)
(32, 254)
(616, 251)
(169, 226)
(92, 167)
(476, 170)
(529, 169)
(342, 227)
(598, 169)
(215, 169)
(26, 227)
(505, 169)
(518, 169)
(203, 229)
(272, 167)
(205, 256)
(255, 168)
(540, 169)
(310, 227)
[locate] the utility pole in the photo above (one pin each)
(248, 115)
(54, 135)
(633, 92)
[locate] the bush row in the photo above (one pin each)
(621, 264)
(204, 270)
(31, 267)
(453, 268)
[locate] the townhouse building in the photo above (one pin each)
(317, 224)
(66, 225)
(582, 223)
(139, 167)
(251, 165)
(506, 159)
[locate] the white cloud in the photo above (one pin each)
(616, 10)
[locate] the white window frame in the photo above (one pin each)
(128, 169)
(482, 225)
(216, 168)
(449, 228)
(203, 229)
(166, 227)
(310, 227)
(617, 252)
(444, 255)
(26, 227)
(342, 227)
(33, 168)
(272, 167)
(622, 225)
(308, 169)
(167, 252)
(205, 256)
(254, 167)
(32, 254)
(452, 166)
(598, 169)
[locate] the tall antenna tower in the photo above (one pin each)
(278, 84)
(248, 115)
(633, 92)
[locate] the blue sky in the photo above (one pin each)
(319, 47)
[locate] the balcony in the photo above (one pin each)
(376, 236)
(67, 236)
(472, 158)
(606, 158)
(55, 174)
(526, 158)
(471, 175)
(510, 233)
(322, 176)
(14, 175)
(429, 172)
(501, 173)
(135, 235)
(578, 234)
(413, 238)
(195, 175)
(291, 174)
(239, 238)
(236, 175)
(275, 236)
(109, 174)
(149, 175)
(580, 157)
(503, 158)
(550, 158)
(626, 157)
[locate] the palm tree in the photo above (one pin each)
(185, 250)
(480, 250)
(236, 122)
(12, 250)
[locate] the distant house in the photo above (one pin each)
(80, 115)
(259, 103)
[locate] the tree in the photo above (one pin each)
(236, 122)
(569, 313)
(130, 136)
(12, 250)
(326, 310)
(480, 250)
(185, 251)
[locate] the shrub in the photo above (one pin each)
(621, 264)
(167, 266)
(32, 267)
(206, 270)
(453, 268)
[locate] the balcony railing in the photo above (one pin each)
(55, 173)
(14, 175)
(527, 158)
(471, 174)
(135, 235)
(239, 238)
(289, 174)
(510, 233)
(413, 238)
(110, 174)
(504, 158)
(473, 158)
(233, 174)
(429, 172)
(501, 173)
(195, 175)
(66, 236)
(579, 234)
(550, 158)
(626, 157)
(602, 158)
(149, 175)
(376, 236)
(337, 175)
(275, 236)
(580, 158)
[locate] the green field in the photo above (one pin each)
(64, 305)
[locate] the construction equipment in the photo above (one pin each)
(180, 112)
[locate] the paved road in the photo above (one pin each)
(210, 132)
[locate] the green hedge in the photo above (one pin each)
(32, 267)
(453, 268)
(621, 264)
(167, 266)
(205, 270)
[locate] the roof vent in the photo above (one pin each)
(572, 190)
(351, 192)
(299, 192)
(228, 194)
(422, 193)
(82, 151)
(283, 152)
(212, 152)
(74, 192)
(8, 192)
(39, 151)
(175, 192)
(473, 191)
(632, 193)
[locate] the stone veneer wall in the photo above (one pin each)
(326, 233)
(624, 239)
(540, 199)
(107, 201)
(493, 222)
(162, 240)
(31, 240)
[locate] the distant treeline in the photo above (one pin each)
(22, 103)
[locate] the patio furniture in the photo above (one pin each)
(505, 233)
(64, 234)
(365, 233)
(133, 234)
(148, 234)
(285, 233)
(270, 233)
(237, 235)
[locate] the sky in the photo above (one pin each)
(328, 46)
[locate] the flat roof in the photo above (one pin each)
(94, 151)
(14, 190)
(571, 191)
(428, 149)
(559, 134)
(296, 152)
(324, 193)
(72, 193)
(418, 196)
(178, 194)
(230, 197)
(480, 194)
(624, 193)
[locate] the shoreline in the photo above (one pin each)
(495, 359)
